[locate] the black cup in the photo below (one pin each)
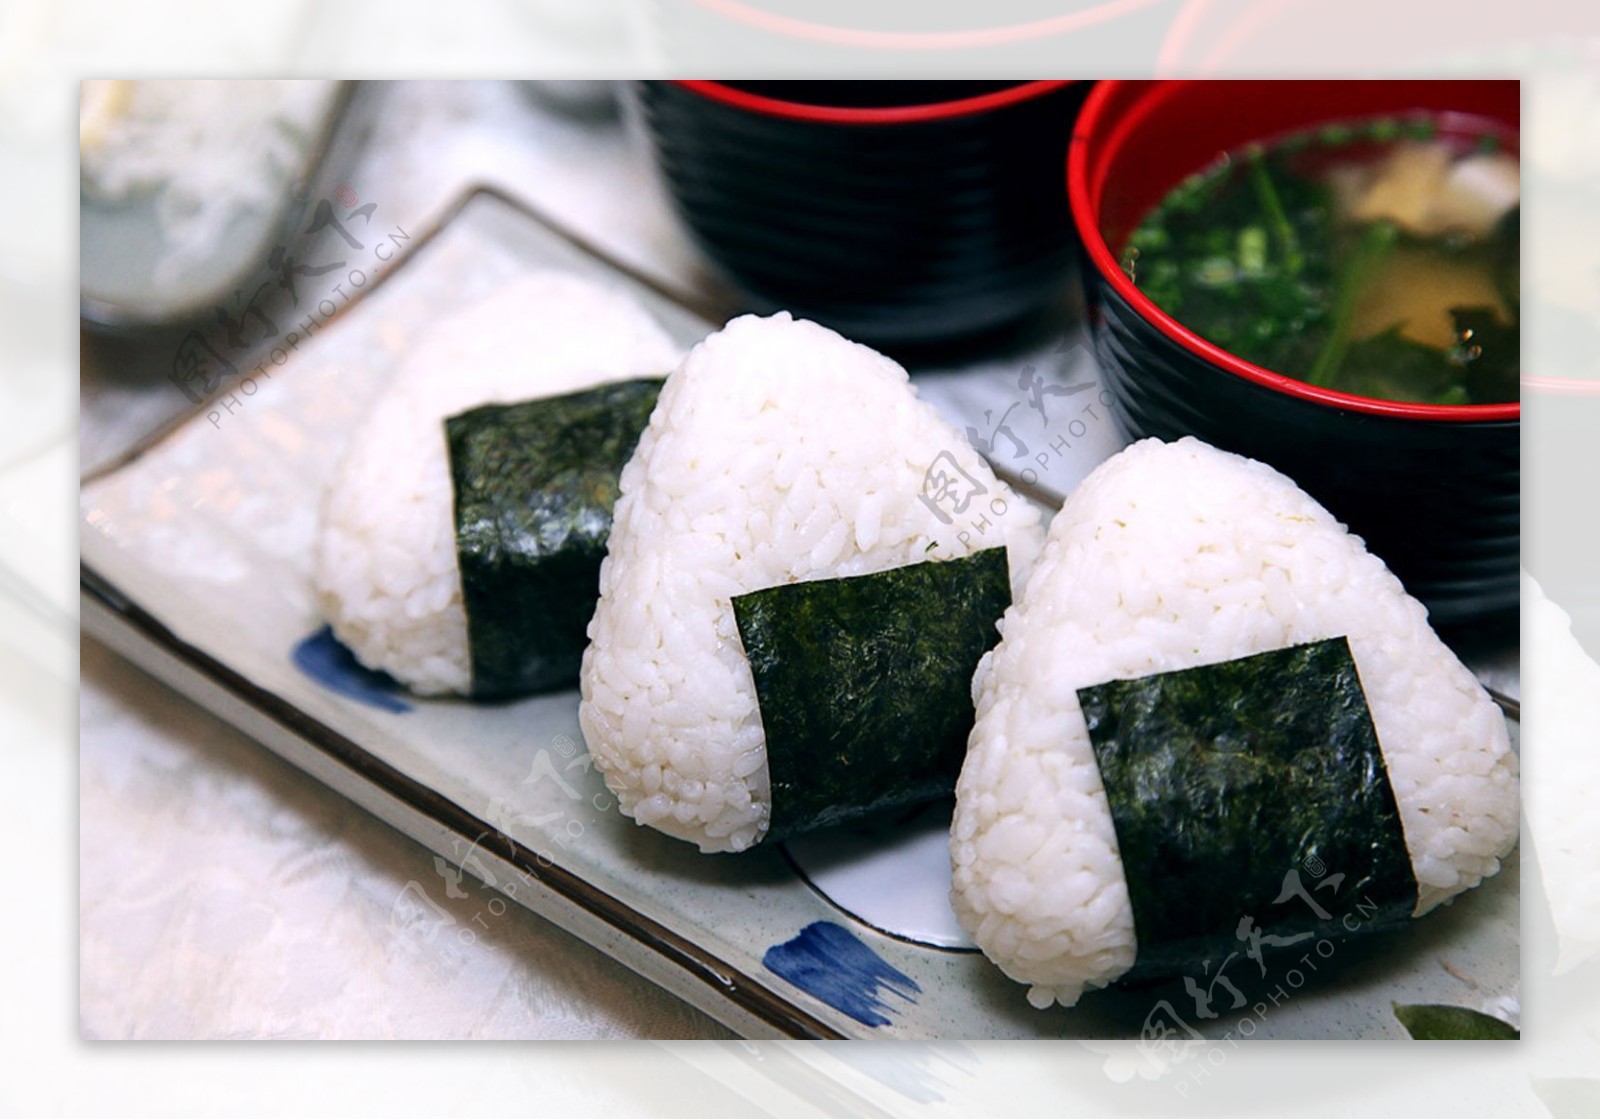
(898, 213)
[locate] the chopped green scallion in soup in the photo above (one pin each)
(1377, 259)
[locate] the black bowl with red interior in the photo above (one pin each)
(901, 214)
(1432, 488)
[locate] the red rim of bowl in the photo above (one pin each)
(897, 114)
(1084, 214)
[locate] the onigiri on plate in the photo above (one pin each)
(805, 565)
(464, 527)
(1214, 724)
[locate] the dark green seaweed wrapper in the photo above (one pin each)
(534, 486)
(1239, 792)
(865, 684)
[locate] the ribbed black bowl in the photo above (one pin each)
(898, 213)
(1434, 490)
(1438, 502)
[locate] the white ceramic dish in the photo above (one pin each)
(134, 276)
(195, 564)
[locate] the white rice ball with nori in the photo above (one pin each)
(386, 567)
(778, 452)
(1169, 557)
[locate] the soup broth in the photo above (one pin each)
(1379, 259)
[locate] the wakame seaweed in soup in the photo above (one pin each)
(1378, 259)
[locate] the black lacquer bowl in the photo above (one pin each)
(899, 213)
(1433, 489)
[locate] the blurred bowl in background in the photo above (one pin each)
(186, 188)
(899, 213)
(1433, 489)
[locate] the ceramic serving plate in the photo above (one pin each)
(196, 564)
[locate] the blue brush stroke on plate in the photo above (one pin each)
(335, 668)
(827, 961)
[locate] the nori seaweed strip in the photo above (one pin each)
(865, 684)
(534, 486)
(1234, 785)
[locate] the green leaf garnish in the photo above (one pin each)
(1432, 1022)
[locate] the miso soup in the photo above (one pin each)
(1379, 259)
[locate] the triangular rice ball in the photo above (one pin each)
(1171, 557)
(386, 568)
(778, 453)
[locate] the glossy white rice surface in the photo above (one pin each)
(779, 452)
(1167, 557)
(386, 572)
